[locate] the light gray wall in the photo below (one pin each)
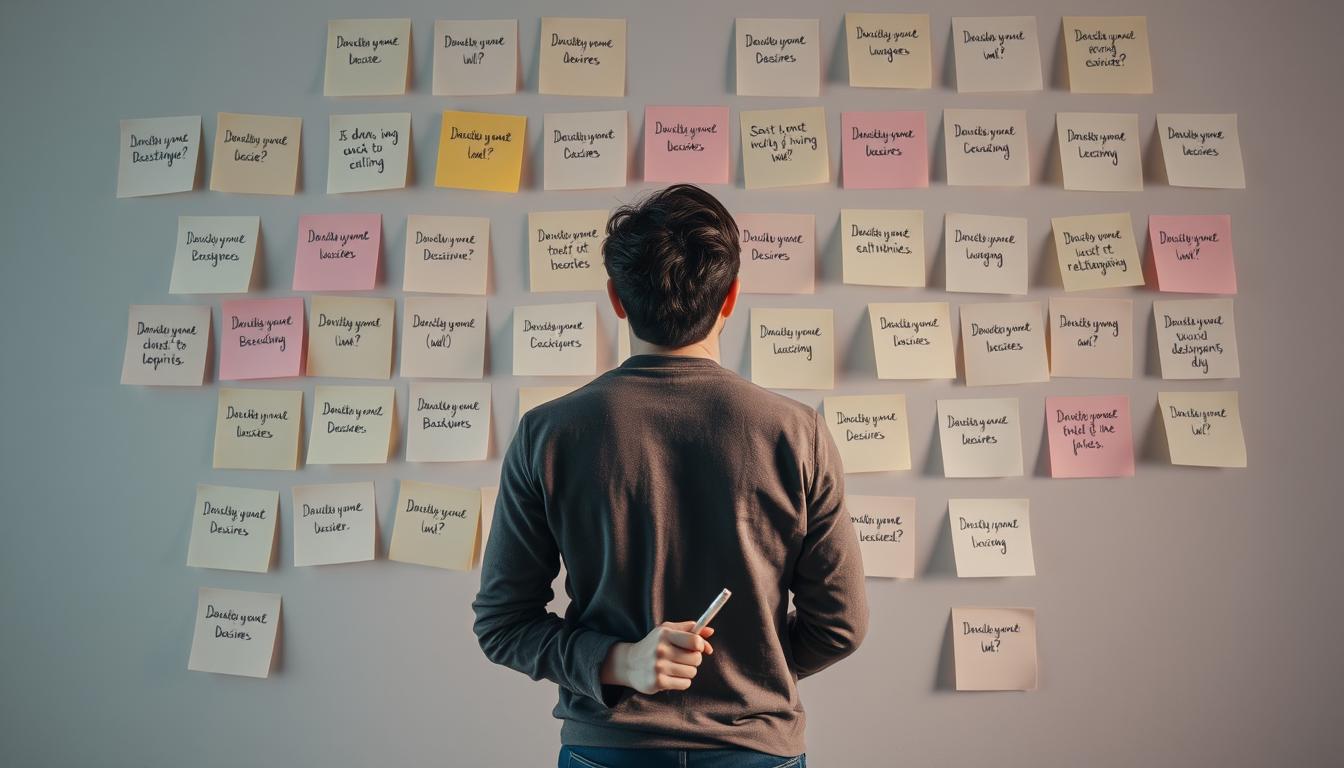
(1186, 617)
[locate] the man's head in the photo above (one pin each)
(673, 259)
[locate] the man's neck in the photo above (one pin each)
(707, 348)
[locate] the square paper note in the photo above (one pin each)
(256, 154)
(235, 632)
(158, 155)
(886, 529)
(994, 648)
(1089, 436)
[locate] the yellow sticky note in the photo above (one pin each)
(886, 529)
(994, 648)
(351, 425)
(784, 147)
(913, 340)
(793, 348)
(871, 431)
(1092, 338)
(889, 50)
(256, 154)
(436, 525)
(564, 250)
(1004, 343)
(1108, 54)
(1203, 428)
(480, 150)
(882, 247)
(258, 428)
(1097, 251)
(350, 337)
(367, 57)
(1099, 152)
(582, 57)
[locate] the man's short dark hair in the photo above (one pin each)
(672, 258)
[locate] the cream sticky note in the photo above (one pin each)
(233, 528)
(871, 431)
(913, 340)
(350, 337)
(235, 632)
(585, 150)
(334, 523)
(564, 250)
(581, 57)
(166, 345)
(1197, 339)
(1004, 343)
(686, 144)
(489, 495)
(889, 50)
(258, 428)
(1203, 428)
(886, 529)
(443, 337)
(884, 150)
(1091, 338)
(1097, 251)
(475, 57)
(448, 421)
(1193, 254)
(991, 537)
(779, 252)
(214, 254)
(882, 247)
(261, 339)
(256, 154)
(555, 339)
(1108, 54)
(351, 425)
(985, 254)
(446, 254)
(338, 251)
(158, 155)
(367, 57)
(986, 147)
(480, 150)
(531, 397)
(994, 649)
(368, 152)
(784, 147)
(778, 57)
(1099, 151)
(793, 348)
(1201, 151)
(980, 438)
(996, 54)
(622, 340)
(1089, 436)
(436, 525)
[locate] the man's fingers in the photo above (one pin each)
(682, 656)
(684, 639)
(670, 683)
(677, 670)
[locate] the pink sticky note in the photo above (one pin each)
(779, 252)
(337, 251)
(686, 144)
(261, 339)
(1193, 254)
(1089, 436)
(884, 150)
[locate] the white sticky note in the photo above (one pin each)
(1197, 339)
(448, 421)
(443, 337)
(158, 155)
(779, 252)
(475, 58)
(991, 537)
(446, 254)
(581, 57)
(985, 254)
(996, 54)
(1203, 428)
(555, 339)
(778, 57)
(994, 649)
(233, 528)
(913, 340)
(436, 525)
(871, 431)
(166, 345)
(214, 254)
(881, 247)
(351, 425)
(334, 523)
(367, 57)
(1201, 151)
(585, 150)
(1099, 151)
(793, 348)
(368, 152)
(235, 632)
(886, 529)
(258, 428)
(986, 147)
(980, 438)
(1004, 343)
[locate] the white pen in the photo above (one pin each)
(713, 608)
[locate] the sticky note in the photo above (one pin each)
(1099, 151)
(1108, 54)
(1201, 151)
(480, 150)
(436, 525)
(1203, 428)
(582, 57)
(448, 421)
(779, 252)
(261, 339)
(235, 632)
(871, 431)
(1193, 254)
(778, 57)
(889, 50)
(985, 254)
(555, 339)
(991, 537)
(1197, 339)
(475, 58)
(994, 649)
(585, 150)
(1089, 436)
(158, 155)
(880, 247)
(1097, 251)
(489, 495)
(531, 397)
(564, 250)
(256, 154)
(1003, 343)
(214, 254)
(367, 57)
(446, 254)
(233, 528)
(258, 428)
(338, 251)
(686, 144)
(334, 523)
(913, 340)
(166, 345)
(351, 425)
(886, 529)
(986, 147)
(368, 152)
(622, 340)
(996, 54)
(350, 337)
(793, 348)
(443, 337)
(980, 438)
(1091, 338)
(784, 147)
(884, 150)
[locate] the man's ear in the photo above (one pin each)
(730, 301)
(615, 300)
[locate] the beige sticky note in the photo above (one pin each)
(882, 247)
(585, 150)
(214, 254)
(886, 529)
(980, 438)
(994, 649)
(913, 340)
(778, 57)
(985, 254)
(258, 428)
(166, 344)
(1004, 343)
(235, 632)
(986, 147)
(367, 57)
(622, 340)
(446, 254)
(555, 339)
(448, 421)
(996, 54)
(991, 537)
(1197, 339)
(779, 252)
(564, 250)
(889, 50)
(871, 431)
(334, 523)
(443, 337)
(1201, 151)
(350, 337)
(256, 154)
(368, 152)
(784, 147)
(351, 425)
(793, 348)
(1108, 54)
(531, 397)
(489, 494)
(1097, 251)
(1203, 428)
(436, 525)
(582, 57)
(475, 57)
(1092, 338)
(233, 528)
(1099, 151)
(158, 155)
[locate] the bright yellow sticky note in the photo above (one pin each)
(480, 150)
(784, 147)
(258, 428)
(582, 57)
(436, 525)
(1108, 54)
(351, 425)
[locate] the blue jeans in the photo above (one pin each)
(626, 757)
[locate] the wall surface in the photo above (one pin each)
(1185, 617)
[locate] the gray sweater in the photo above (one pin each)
(661, 482)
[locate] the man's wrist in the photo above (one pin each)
(613, 670)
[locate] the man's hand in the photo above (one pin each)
(665, 660)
